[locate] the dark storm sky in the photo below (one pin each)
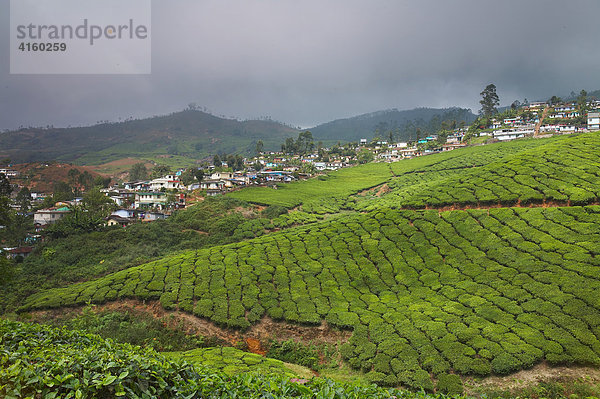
(307, 62)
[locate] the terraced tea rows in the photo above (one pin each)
(563, 170)
(329, 194)
(471, 292)
(232, 361)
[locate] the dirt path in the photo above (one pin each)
(518, 204)
(539, 124)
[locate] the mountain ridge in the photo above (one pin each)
(192, 134)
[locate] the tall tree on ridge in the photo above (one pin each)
(489, 101)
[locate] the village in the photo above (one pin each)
(154, 199)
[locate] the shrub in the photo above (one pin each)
(449, 384)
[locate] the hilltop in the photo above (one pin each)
(190, 134)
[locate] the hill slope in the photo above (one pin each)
(425, 292)
(404, 123)
(189, 133)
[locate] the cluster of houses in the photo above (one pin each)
(541, 118)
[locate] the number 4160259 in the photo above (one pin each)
(43, 46)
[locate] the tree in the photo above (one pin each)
(103, 182)
(5, 191)
(260, 147)
(97, 204)
(87, 217)
(187, 177)
(62, 192)
(365, 156)
(555, 100)
(418, 132)
(160, 171)
(582, 99)
(515, 105)
(85, 179)
(199, 174)
(217, 161)
(5, 186)
(489, 100)
(6, 270)
(302, 145)
(138, 172)
(24, 199)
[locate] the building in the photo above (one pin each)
(114, 220)
(44, 217)
(14, 253)
(128, 213)
(9, 172)
(593, 121)
(511, 134)
(169, 182)
(150, 200)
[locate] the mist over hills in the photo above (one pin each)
(194, 134)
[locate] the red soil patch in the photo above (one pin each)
(254, 346)
(41, 177)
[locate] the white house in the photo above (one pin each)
(593, 121)
(9, 172)
(50, 215)
(150, 199)
(511, 134)
(168, 182)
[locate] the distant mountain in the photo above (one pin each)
(403, 124)
(190, 133)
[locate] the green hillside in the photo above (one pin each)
(470, 291)
(190, 134)
(427, 293)
(336, 191)
(403, 124)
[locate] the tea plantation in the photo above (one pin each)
(429, 294)
(472, 292)
(329, 193)
(232, 361)
(565, 171)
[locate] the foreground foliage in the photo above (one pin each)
(38, 361)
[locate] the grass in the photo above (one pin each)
(338, 184)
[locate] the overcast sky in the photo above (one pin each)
(307, 62)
